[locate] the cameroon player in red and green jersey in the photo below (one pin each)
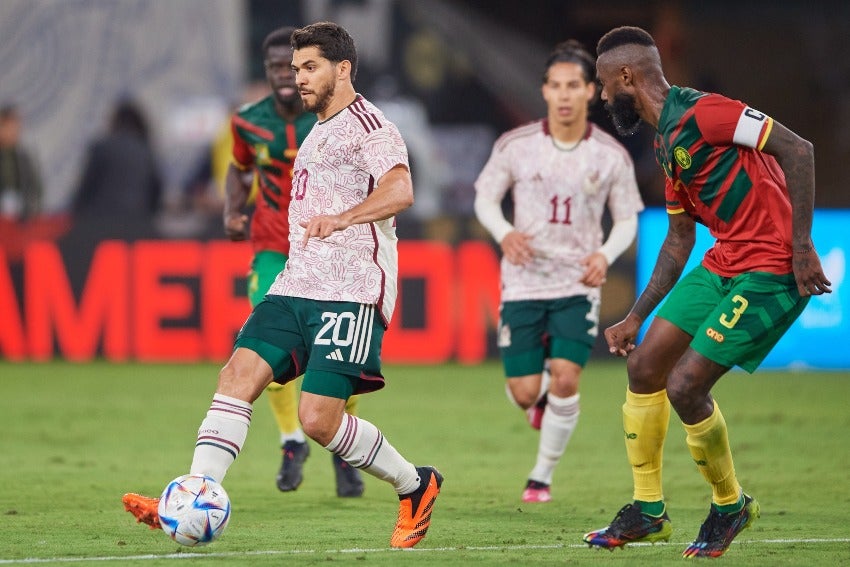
(266, 137)
(750, 180)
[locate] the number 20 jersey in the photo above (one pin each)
(337, 167)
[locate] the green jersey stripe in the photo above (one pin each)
(714, 183)
(738, 191)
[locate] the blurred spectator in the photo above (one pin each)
(202, 199)
(20, 181)
(121, 178)
(428, 166)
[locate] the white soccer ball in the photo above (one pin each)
(194, 510)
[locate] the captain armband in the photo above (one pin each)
(753, 129)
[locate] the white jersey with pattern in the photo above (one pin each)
(337, 167)
(559, 197)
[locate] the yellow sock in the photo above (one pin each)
(352, 404)
(284, 404)
(645, 421)
(708, 442)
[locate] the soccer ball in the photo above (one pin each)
(194, 510)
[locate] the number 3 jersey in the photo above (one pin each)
(559, 196)
(337, 167)
(708, 146)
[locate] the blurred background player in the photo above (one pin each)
(266, 137)
(562, 171)
(751, 181)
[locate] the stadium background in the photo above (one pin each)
(452, 74)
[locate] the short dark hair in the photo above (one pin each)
(624, 35)
(277, 38)
(572, 51)
(333, 42)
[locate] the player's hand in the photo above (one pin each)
(808, 273)
(236, 226)
(516, 247)
(621, 336)
(322, 226)
(595, 269)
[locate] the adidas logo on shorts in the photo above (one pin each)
(335, 355)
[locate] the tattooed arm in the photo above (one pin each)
(674, 254)
(796, 157)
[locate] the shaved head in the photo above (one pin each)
(630, 46)
(625, 35)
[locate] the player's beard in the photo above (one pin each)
(323, 99)
(623, 114)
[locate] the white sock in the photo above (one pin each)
(559, 422)
(363, 446)
(221, 436)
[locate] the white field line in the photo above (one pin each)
(500, 548)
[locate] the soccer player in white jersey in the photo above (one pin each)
(562, 171)
(326, 313)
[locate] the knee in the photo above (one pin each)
(686, 400)
(565, 384)
(645, 376)
(228, 379)
(317, 426)
(678, 395)
(238, 380)
(523, 391)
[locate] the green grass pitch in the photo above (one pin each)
(75, 437)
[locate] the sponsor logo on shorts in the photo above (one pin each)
(715, 335)
(336, 354)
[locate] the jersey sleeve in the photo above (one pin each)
(382, 150)
(625, 200)
(673, 202)
(243, 156)
(724, 122)
(495, 178)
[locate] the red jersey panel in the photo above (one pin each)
(265, 142)
(708, 146)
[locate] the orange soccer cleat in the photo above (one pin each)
(414, 510)
(144, 509)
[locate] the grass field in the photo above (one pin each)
(75, 437)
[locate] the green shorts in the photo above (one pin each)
(734, 321)
(335, 344)
(531, 331)
(265, 267)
